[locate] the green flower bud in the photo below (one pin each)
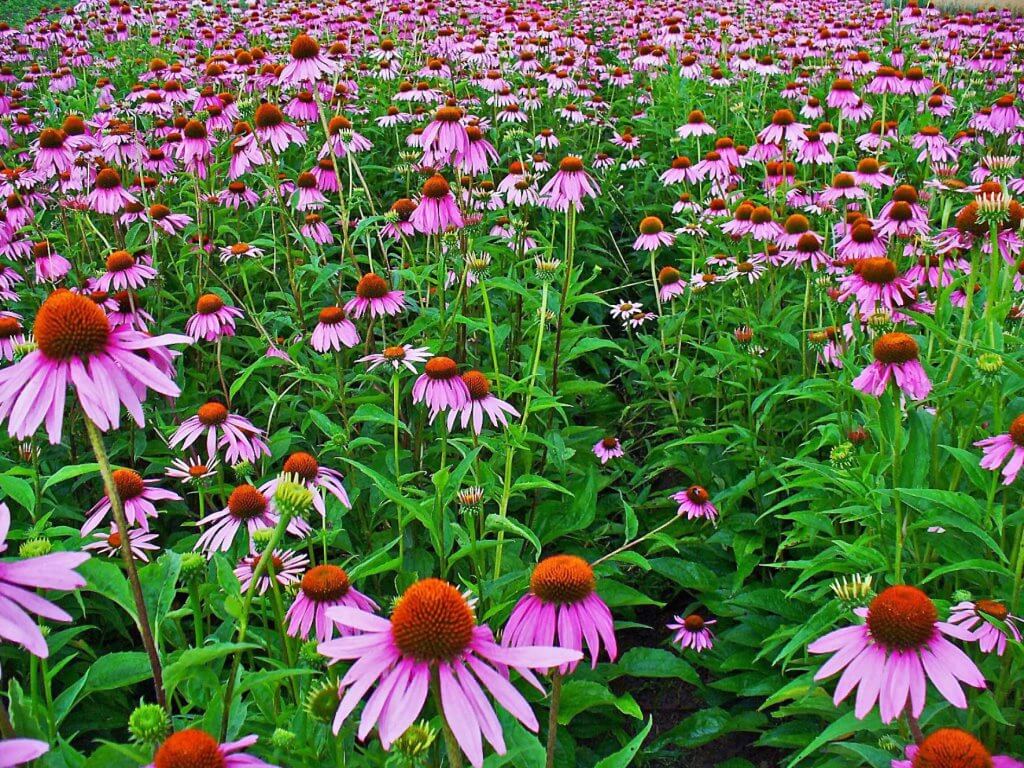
(149, 724)
(417, 739)
(960, 596)
(856, 591)
(291, 497)
(262, 536)
(842, 456)
(282, 739)
(547, 269)
(309, 656)
(35, 548)
(242, 469)
(193, 567)
(322, 702)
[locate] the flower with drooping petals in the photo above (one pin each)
(247, 506)
(109, 544)
(695, 502)
(213, 319)
(440, 386)
(20, 751)
(324, 587)
(608, 448)
(304, 468)
(562, 609)
(997, 448)
(693, 632)
(285, 565)
(895, 359)
(333, 331)
(481, 402)
(193, 748)
(243, 440)
(980, 618)
(374, 296)
(891, 657)
(433, 632)
(137, 497)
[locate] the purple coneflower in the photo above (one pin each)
(608, 448)
(107, 195)
(652, 235)
(693, 632)
(980, 618)
(285, 565)
(307, 64)
(896, 359)
(569, 186)
(333, 331)
(213, 319)
(695, 502)
(433, 634)
(191, 748)
(324, 587)
(397, 356)
(952, 748)
(439, 386)
(481, 401)
(109, 544)
(437, 210)
(246, 506)
(77, 345)
(891, 656)
(193, 470)
(562, 609)
(373, 295)
(240, 436)
(995, 450)
(305, 469)
(137, 497)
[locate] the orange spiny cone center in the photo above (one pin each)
(902, 618)
(951, 748)
(562, 579)
(209, 303)
(693, 623)
(331, 315)
(477, 384)
(268, 116)
(761, 215)
(992, 608)
(651, 225)
(571, 164)
(108, 178)
(68, 325)
(371, 286)
(191, 748)
(697, 494)
(246, 502)
(119, 261)
(432, 621)
(668, 276)
(325, 583)
(436, 187)
(128, 483)
(9, 326)
(441, 368)
(1017, 430)
(797, 224)
(877, 270)
(304, 47)
(212, 414)
(609, 442)
(895, 348)
(302, 464)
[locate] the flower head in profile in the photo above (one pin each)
(397, 357)
(307, 64)
(192, 748)
(562, 609)
(285, 567)
(137, 497)
(433, 633)
(608, 448)
(891, 657)
(76, 345)
(652, 235)
(990, 622)
(695, 502)
(953, 748)
(323, 587)
(18, 600)
(693, 632)
(481, 402)
(333, 331)
(140, 541)
(437, 210)
(213, 319)
(242, 439)
(569, 186)
(439, 386)
(895, 360)
(247, 507)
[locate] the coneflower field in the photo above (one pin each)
(528, 383)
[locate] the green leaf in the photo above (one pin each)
(18, 490)
(625, 756)
(69, 472)
(106, 578)
(497, 523)
(581, 695)
(117, 670)
(178, 670)
(529, 482)
(657, 663)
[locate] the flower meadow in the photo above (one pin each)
(522, 384)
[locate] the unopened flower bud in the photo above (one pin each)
(149, 724)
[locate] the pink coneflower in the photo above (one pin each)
(273, 130)
(934, 146)
(243, 440)
(307, 65)
(305, 469)
(763, 226)
(693, 632)
(1004, 117)
(433, 633)
(246, 506)
(997, 448)
(870, 173)
(322, 588)
(652, 235)
(191, 748)
(783, 128)
(437, 210)
(14, 752)
(562, 609)
(373, 295)
(479, 154)
(77, 344)
(50, 266)
(695, 126)
(109, 544)
(213, 319)
(53, 156)
(309, 196)
(481, 401)
(239, 251)
(285, 566)
(193, 470)
(168, 223)
(670, 283)
(680, 171)
(980, 619)
(125, 271)
(895, 358)
(397, 356)
(569, 186)
(18, 601)
(399, 224)
(695, 502)
(333, 330)
(891, 656)
(137, 497)
(445, 139)
(844, 187)
(952, 748)
(440, 387)
(876, 284)
(12, 335)
(107, 195)
(608, 448)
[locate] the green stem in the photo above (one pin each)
(117, 509)
(556, 698)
